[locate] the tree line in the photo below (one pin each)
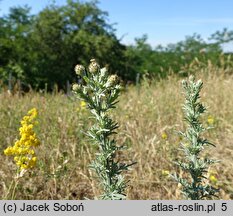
(42, 49)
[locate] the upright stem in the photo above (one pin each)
(14, 189)
(100, 91)
(9, 189)
(194, 187)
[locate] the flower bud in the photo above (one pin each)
(79, 69)
(184, 84)
(103, 72)
(191, 78)
(94, 66)
(112, 80)
(76, 87)
(199, 83)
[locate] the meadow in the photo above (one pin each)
(149, 115)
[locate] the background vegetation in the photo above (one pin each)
(42, 49)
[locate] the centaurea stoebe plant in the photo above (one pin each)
(23, 149)
(100, 92)
(195, 165)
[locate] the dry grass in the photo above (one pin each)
(144, 114)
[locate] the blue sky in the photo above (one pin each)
(164, 21)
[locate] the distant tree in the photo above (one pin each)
(91, 36)
(193, 47)
(223, 36)
(49, 62)
(67, 35)
(44, 48)
(15, 47)
(139, 58)
(157, 62)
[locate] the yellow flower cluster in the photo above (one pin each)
(210, 120)
(165, 172)
(212, 177)
(82, 106)
(164, 136)
(22, 150)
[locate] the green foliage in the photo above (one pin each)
(139, 58)
(193, 145)
(47, 45)
(14, 33)
(158, 62)
(100, 91)
(223, 36)
(50, 59)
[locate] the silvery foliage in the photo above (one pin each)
(100, 91)
(196, 187)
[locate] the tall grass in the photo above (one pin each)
(148, 119)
